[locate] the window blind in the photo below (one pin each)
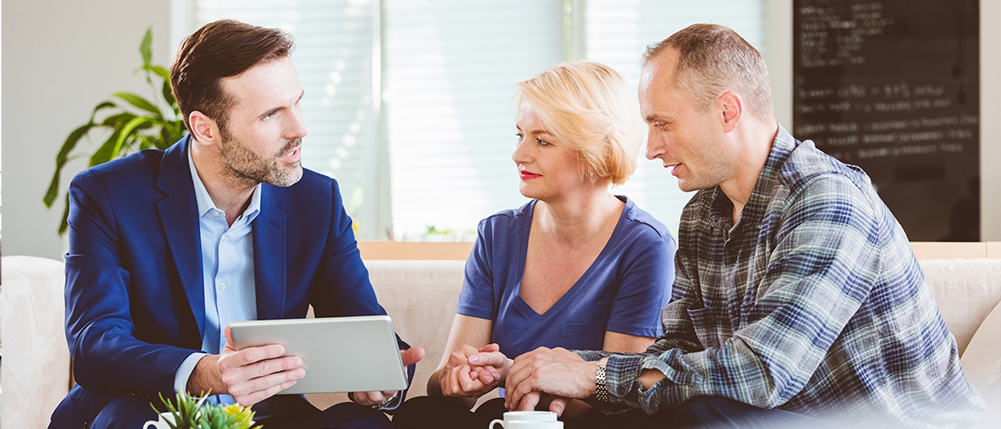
(452, 67)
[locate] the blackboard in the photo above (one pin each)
(893, 87)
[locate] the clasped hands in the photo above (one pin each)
(471, 372)
(254, 374)
(558, 373)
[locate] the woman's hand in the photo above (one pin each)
(472, 373)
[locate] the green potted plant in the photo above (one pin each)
(192, 412)
(135, 123)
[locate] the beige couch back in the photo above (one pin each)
(420, 296)
(966, 290)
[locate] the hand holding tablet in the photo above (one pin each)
(250, 375)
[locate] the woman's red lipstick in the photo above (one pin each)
(527, 175)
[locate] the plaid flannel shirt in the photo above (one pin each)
(812, 303)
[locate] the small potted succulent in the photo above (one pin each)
(191, 412)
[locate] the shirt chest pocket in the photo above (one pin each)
(705, 322)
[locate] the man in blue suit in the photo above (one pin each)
(169, 247)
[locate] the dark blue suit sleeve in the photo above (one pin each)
(107, 358)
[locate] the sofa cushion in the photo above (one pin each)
(965, 291)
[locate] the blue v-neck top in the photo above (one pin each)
(623, 291)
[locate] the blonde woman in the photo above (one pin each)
(576, 267)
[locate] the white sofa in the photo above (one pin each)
(420, 295)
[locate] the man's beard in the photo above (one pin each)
(244, 165)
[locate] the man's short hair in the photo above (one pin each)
(591, 108)
(714, 59)
(218, 50)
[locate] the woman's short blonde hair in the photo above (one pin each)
(590, 107)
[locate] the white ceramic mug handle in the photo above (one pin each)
(495, 421)
(147, 425)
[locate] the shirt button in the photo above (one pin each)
(224, 238)
(215, 213)
(222, 285)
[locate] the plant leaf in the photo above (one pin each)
(139, 102)
(179, 132)
(53, 192)
(165, 134)
(126, 132)
(104, 153)
(168, 94)
(116, 121)
(61, 159)
(171, 133)
(159, 71)
(146, 142)
(64, 224)
(144, 47)
(103, 105)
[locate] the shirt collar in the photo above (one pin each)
(782, 147)
(205, 203)
(721, 210)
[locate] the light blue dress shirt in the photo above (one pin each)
(227, 272)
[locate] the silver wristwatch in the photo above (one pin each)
(600, 388)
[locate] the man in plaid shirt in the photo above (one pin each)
(797, 302)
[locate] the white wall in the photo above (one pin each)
(990, 120)
(778, 20)
(61, 58)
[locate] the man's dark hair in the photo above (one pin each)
(218, 50)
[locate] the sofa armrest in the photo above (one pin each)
(36, 361)
(982, 363)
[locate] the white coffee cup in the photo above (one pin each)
(535, 416)
(160, 423)
(528, 420)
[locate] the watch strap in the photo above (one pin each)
(600, 387)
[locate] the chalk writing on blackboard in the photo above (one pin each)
(893, 87)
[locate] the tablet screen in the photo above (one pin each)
(339, 354)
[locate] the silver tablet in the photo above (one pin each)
(340, 354)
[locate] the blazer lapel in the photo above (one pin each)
(179, 216)
(269, 255)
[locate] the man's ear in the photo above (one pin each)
(732, 108)
(203, 128)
